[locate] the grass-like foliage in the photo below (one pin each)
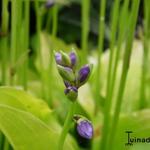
(83, 94)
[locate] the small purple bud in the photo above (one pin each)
(85, 129)
(73, 58)
(62, 59)
(58, 58)
(84, 74)
(49, 4)
(71, 92)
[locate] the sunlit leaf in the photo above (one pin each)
(24, 131)
(18, 102)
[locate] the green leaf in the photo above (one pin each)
(16, 102)
(21, 100)
(24, 131)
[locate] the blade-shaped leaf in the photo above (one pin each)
(22, 102)
(24, 131)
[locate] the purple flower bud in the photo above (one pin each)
(71, 93)
(73, 58)
(49, 4)
(85, 129)
(62, 59)
(58, 58)
(84, 74)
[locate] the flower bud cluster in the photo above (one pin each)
(73, 78)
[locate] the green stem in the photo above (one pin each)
(85, 27)
(38, 29)
(142, 102)
(108, 93)
(20, 41)
(44, 72)
(66, 126)
(48, 22)
(55, 21)
(54, 18)
(126, 62)
(100, 47)
(13, 39)
(5, 17)
(50, 76)
(122, 32)
(26, 42)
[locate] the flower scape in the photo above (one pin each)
(73, 78)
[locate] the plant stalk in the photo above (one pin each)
(13, 52)
(4, 40)
(121, 36)
(108, 102)
(38, 29)
(142, 101)
(85, 28)
(54, 16)
(26, 43)
(48, 22)
(66, 126)
(100, 49)
(55, 20)
(126, 62)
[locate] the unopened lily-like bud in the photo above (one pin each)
(73, 58)
(49, 3)
(62, 59)
(58, 58)
(84, 127)
(84, 74)
(66, 73)
(72, 93)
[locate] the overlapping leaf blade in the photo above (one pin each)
(26, 122)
